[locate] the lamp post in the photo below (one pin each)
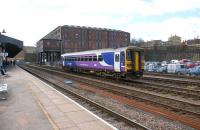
(1, 43)
(2, 53)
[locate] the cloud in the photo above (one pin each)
(30, 20)
(186, 28)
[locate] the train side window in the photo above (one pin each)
(78, 59)
(94, 58)
(70, 58)
(81, 58)
(86, 58)
(90, 58)
(116, 57)
(100, 58)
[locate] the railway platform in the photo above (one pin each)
(32, 104)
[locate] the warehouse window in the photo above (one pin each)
(100, 58)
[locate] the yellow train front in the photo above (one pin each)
(134, 62)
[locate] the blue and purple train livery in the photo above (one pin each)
(126, 62)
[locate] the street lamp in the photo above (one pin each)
(1, 41)
(2, 53)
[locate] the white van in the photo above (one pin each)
(174, 61)
(177, 68)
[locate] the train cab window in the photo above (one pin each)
(116, 57)
(90, 58)
(100, 58)
(94, 58)
(128, 55)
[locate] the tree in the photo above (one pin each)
(137, 42)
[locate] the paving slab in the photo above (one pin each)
(33, 104)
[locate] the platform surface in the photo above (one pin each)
(33, 105)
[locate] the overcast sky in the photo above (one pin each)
(30, 20)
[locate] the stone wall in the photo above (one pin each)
(161, 53)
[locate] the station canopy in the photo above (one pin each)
(11, 45)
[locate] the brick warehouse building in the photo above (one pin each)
(76, 38)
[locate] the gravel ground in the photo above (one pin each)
(150, 120)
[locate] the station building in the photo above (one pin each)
(67, 38)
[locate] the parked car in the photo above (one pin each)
(177, 68)
(197, 63)
(195, 71)
(190, 65)
(152, 66)
(174, 62)
(164, 63)
(162, 69)
(185, 60)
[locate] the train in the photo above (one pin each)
(124, 62)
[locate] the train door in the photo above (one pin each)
(117, 62)
(137, 61)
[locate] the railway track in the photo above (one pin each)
(172, 80)
(84, 100)
(172, 75)
(182, 106)
(180, 79)
(182, 91)
(152, 84)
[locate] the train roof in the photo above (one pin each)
(100, 51)
(89, 52)
(128, 47)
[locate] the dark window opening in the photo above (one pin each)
(116, 57)
(90, 58)
(94, 58)
(100, 58)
